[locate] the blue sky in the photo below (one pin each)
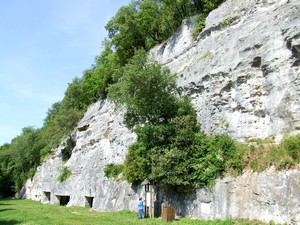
(43, 46)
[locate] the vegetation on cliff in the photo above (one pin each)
(140, 25)
(171, 148)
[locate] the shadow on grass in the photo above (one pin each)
(2, 210)
(2, 201)
(9, 222)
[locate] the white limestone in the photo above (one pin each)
(245, 75)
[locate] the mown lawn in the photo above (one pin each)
(29, 212)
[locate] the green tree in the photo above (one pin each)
(58, 127)
(165, 124)
(145, 89)
(6, 182)
(25, 155)
(124, 33)
(170, 149)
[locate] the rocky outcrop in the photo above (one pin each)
(243, 75)
(243, 69)
(101, 138)
(268, 196)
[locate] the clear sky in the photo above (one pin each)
(44, 44)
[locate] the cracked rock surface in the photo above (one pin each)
(243, 75)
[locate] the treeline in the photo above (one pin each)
(140, 25)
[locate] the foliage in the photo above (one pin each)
(45, 152)
(292, 145)
(136, 165)
(200, 25)
(65, 173)
(144, 88)
(260, 154)
(113, 170)
(6, 182)
(60, 123)
(67, 150)
(170, 149)
(13, 211)
(226, 22)
(143, 24)
(205, 55)
(25, 155)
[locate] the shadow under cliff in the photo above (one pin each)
(9, 222)
(181, 199)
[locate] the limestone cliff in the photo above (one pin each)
(243, 69)
(243, 75)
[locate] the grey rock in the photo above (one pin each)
(243, 75)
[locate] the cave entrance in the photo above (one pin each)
(89, 201)
(47, 195)
(63, 199)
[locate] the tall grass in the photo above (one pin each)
(260, 154)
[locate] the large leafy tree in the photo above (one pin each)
(124, 33)
(145, 88)
(170, 149)
(160, 119)
(6, 181)
(25, 154)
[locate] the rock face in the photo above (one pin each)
(243, 70)
(264, 196)
(100, 139)
(243, 75)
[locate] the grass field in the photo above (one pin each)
(29, 212)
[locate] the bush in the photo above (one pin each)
(136, 165)
(214, 155)
(45, 152)
(200, 20)
(113, 170)
(292, 145)
(65, 173)
(67, 150)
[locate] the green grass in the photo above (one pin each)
(27, 212)
(205, 55)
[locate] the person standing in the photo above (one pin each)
(140, 208)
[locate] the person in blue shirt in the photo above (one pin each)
(140, 208)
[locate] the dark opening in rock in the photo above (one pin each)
(63, 199)
(83, 128)
(47, 195)
(296, 63)
(256, 62)
(89, 201)
(296, 51)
